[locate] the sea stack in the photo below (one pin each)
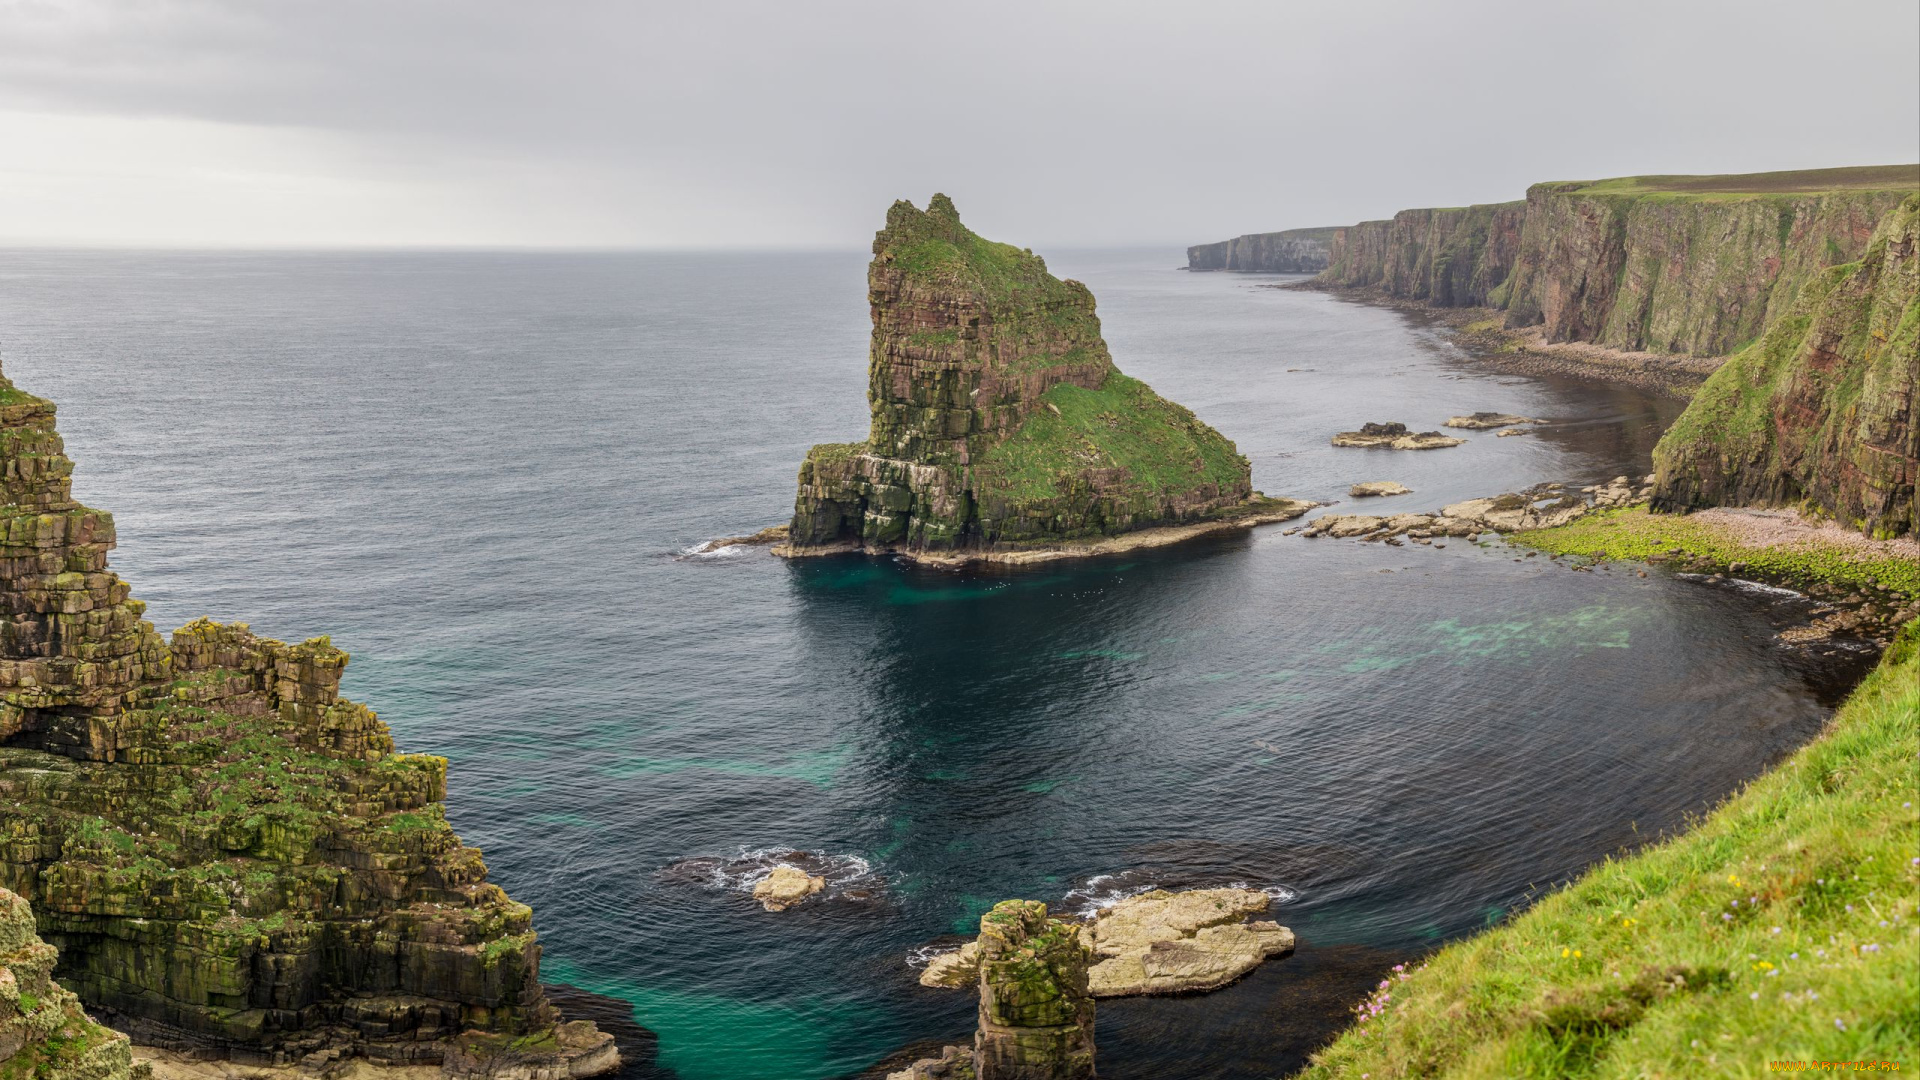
(230, 857)
(999, 419)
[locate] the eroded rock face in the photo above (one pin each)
(1036, 1013)
(228, 855)
(1821, 408)
(999, 420)
(1456, 257)
(44, 1035)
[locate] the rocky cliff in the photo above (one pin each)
(1822, 408)
(1294, 251)
(999, 419)
(1668, 264)
(43, 1032)
(1452, 257)
(227, 854)
(1677, 272)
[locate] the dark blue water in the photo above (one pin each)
(479, 473)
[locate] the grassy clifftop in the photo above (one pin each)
(1795, 182)
(1781, 928)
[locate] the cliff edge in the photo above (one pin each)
(1821, 409)
(999, 420)
(1293, 251)
(230, 857)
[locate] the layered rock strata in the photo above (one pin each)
(1452, 257)
(1036, 1012)
(999, 420)
(1821, 409)
(44, 1034)
(1664, 264)
(1293, 251)
(228, 855)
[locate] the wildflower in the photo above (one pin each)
(1776, 930)
(1563, 953)
(1755, 996)
(1793, 956)
(1837, 1022)
(1724, 917)
(1576, 953)
(1849, 907)
(1869, 948)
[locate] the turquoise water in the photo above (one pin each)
(481, 474)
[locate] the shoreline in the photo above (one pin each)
(1479, 332)
(1269, 511)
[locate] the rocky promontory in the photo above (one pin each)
(1000, 424)
(231, 858)
(1293, 251)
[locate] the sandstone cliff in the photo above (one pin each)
(1294, 251)
(1453, 257)
(43, 1032)
(1642, 269)
(999, 420)
(227, 854)
(1665, 264)
(1822, 408)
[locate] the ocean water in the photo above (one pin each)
(482, 474)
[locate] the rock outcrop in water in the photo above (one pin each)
(1821, 409)
(228, 855)
(44, 1035)
(1667, 264)
(1294, 251)
(999, 420)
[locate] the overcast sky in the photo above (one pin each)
(709, 123)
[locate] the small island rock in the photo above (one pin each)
(1394, 437)
(1378, 487)
(1481, 421)
(786, 886)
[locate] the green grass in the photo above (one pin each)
(1798, 182)
(1634, 534)
(1123, 424)
(1782, 927)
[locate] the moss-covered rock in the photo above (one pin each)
(1821, 408)
(999, 419)
(226, 853)
(44, 1034)
(1036, 1011)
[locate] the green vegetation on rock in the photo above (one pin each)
(1783, 927)
(44, 1034)
(225, 852)
(1635, 534)
(1821, 408)
(999, 420)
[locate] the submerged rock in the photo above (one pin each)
(1394, 437)
(786, 886)
(44, 1035)
(1481, 421)
(1369, 488)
